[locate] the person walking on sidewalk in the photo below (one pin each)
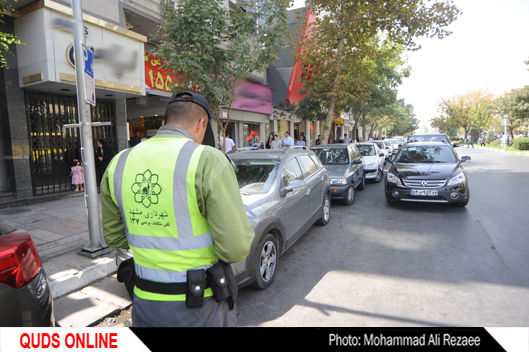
(176, 204)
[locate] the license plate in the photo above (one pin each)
(423, 192)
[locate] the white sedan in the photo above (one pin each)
(373, 159)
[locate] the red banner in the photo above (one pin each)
(159, 78)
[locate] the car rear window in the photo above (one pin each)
(427, 138)
(426, 154)
(332, 156)
(255, 176)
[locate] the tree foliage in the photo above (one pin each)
(214, 48)
(346, 37)
(7, 40)
(470, 111)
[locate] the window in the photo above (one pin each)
(292, 172)
(332, 156)
(307, 165)
(255, 176)
(354, 154)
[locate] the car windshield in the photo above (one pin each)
(426, 154)
(366, 150)
(426, 138)
(389, 142)
(255, 176)
(332, 156)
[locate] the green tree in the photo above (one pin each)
(343, 29)
(215, 48)
(515, 105)
(7, 40)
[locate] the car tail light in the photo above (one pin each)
(19, 259)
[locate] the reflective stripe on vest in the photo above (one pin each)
(165, 229)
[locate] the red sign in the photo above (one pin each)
(159, 78)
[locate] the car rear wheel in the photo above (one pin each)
(326, 211)
(349, 196)
(265, 262)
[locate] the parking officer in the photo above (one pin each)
(176, 204)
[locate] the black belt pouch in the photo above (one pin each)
(219, 282)
(196, 284)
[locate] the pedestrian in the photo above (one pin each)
(318, 141)
(301, 141)
(227, 143)
(103, 156)
(346, 140)
(469, 141)
(176, 204)
(258, 144)
(77, 174)
(136, 139)
(269, 140)
(288, 141)
(276, 142)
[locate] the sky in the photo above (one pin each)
(486, 50)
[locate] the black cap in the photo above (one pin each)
(194, 98)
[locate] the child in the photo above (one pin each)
(77, 175)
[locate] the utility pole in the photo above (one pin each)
(87, 150)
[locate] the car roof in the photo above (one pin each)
(365, 143)
(426, 144)
(428, 134)
(267, 153)
(337, 145)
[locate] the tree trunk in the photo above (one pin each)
(334, 91)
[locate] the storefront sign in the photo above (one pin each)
(159, 78)
(253, 97)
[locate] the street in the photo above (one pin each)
(412, 264)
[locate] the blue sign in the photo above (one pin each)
(89, 81)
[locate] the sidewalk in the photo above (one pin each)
(519, 152)
(84, 290)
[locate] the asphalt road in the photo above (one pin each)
(410, 265)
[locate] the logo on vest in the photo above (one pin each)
(146, 188)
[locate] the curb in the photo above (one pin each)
(69, 283)
(9, 202)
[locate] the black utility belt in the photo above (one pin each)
(219, 278)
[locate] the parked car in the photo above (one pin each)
(431, 137)
(373, 159)
(26, 298)
(346, 171)
(383, 148)
(284, 191)
(394, 145)
(427, 172)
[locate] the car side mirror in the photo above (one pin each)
(381, 154)
(455, 145)
(357, 161)
(465, 158)
(292, 185)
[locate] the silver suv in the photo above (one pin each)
(284, 192)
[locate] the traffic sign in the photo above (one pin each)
(89, 81)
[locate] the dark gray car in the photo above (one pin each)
(346, 171)
(284, 192)
(25, 296)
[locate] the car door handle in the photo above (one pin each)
(307, 192)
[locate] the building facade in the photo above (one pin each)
(39, 136)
